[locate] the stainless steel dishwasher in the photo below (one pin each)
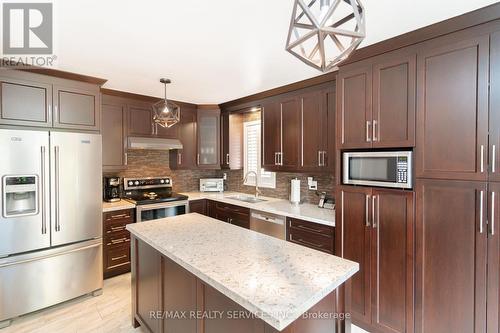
(269, 224)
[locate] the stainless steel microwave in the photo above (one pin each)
(380, 168)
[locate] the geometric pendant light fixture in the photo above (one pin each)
(323, 33)
(166, 113)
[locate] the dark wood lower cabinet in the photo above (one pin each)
(355, 239)
(378, 233)
(312, 235)
(392, 261)
(116, 239)
(236, 215)
(493, 291)
(167, 298)
(198, 206)
(451, 254)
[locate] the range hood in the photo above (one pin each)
(153, 143)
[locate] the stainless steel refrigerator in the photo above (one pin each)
(51, 219)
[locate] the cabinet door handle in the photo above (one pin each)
(481, 201)
(117, 228)
(367, 210)
(300, 240)
(306, 228)
(126, 158)
(198, 159)
(56, 171)
(492, 213)
(374, 132)
(368, 125)
(324, 158)
(179, 156)
(482, 158)
(120, 257)
(320, 153)
(42, 187)
(374, 220)
(281, 158)
(275, 158)
(227, 159)
(493, 159)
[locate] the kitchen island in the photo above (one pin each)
(192, 273)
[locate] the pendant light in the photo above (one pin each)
(323, 33)
(166, 113)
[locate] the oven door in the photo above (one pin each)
(160, 210)
(383, 169)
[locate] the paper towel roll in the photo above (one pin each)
(295, 191)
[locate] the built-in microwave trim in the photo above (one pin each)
(345, 169)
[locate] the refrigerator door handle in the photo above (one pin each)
(56, 178)
(42, 190)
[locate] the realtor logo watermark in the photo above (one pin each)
(28, 34)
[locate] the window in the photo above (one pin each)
(252, 156)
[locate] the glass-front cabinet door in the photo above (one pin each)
(208, 138)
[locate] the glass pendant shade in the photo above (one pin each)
(323, 33)
(166, 113)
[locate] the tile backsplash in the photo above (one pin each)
(150, 163)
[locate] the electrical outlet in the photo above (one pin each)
(224, 176)
(312, 184)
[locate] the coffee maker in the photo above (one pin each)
(112, 189)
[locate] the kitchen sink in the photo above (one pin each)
(246, 198)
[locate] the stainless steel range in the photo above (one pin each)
(154, 198)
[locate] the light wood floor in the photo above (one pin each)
(108, 313)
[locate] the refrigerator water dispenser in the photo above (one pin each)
(20, 195)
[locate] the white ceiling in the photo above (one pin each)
(214, 51)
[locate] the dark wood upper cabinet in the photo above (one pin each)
(494, 150)
(451, 256)
(290, 134)
(271, 135)
(25, 102)
(114, 140)
(208, 156)
(354, 112)
(493, 292)
(185, 158)
(330, 100)
(314, 131)
(392, 261)
(140, 120)
(353, 217)
(452, 109)
(394, 81)
(77, 107)
(377, 102)
(224, 139)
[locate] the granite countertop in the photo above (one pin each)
(272, 278)
(305, 211)
(118, 205)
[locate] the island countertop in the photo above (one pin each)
(274, 279)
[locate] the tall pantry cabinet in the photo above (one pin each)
(457, 248)
(446, 252)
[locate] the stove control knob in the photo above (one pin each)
(136, 183)
(162, 181)
(167, 181)
(131, 183)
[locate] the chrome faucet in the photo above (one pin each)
(257, 191)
